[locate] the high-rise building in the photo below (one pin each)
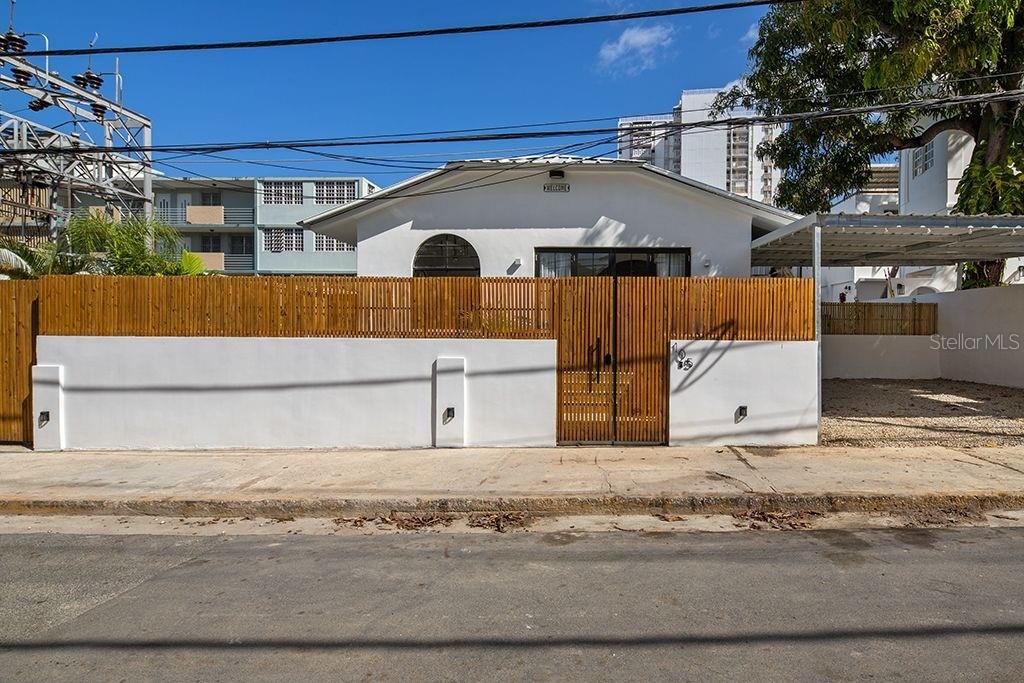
(650, 139)
(724, 157)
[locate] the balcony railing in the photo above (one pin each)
(238, 262)
(228, 263)
(174, 215)
(179, 216)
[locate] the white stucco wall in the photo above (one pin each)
(507, 221)
(980, 339)
(934, 191)
(981, 335)
(210, 392)
(867, 356)
(776, 381)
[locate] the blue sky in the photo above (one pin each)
(385, 87)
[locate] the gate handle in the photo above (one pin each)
(590, 368)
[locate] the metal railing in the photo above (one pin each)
(238, 262)
(172, 215)
(177, 215)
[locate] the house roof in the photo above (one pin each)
(892, 240)
(768, 217)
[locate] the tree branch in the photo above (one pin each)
(960, 123)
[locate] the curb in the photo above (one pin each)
(537, 505)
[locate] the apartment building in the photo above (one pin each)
(725, 158)
(250, 225)
(647, 139)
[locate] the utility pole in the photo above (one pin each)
(122, 181)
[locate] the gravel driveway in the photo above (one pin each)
(879, 412)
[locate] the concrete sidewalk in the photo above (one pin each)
(547, 480)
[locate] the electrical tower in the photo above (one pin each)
(38, 192)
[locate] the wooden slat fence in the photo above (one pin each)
(778, 309)
(879, 318)
(499, 308)
(18, 310)
(495, 308)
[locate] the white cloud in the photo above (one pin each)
(750, 37)
(637, 49)
(713, 31)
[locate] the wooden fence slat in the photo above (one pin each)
(18, 308)
(879, 318)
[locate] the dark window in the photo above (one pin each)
(446, 256)
(210, 199)
(241, 244)
(561, 262)
(208, 243)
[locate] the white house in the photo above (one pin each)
(551, 216)
(929, 177)
(511, 361)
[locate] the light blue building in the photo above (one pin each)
(249, 225)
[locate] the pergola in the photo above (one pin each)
(838, 239)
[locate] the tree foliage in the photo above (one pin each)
(829, 54)
(100, 245)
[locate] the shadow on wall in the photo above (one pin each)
(723, 337)
(426, 378)
(701, 432)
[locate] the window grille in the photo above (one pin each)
(282, 192)
(282, 239)
(335, 191)
(327, 243)
(923, 158)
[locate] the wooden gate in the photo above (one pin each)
(612, 360)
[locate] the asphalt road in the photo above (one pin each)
(822, 605)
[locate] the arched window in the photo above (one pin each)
(446, 256)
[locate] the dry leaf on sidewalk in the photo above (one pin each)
(499, 521)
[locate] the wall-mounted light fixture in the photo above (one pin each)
(556, 174)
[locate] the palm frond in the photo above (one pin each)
(10, 261)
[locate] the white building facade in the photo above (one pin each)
(880, 195)
(929, 177)
(725, 158)
(551, 217)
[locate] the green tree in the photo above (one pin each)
(100, 245)
(822, 54)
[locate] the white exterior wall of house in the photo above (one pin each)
(604, 208)
(934, 191)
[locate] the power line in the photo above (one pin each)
(566, 122)
(394, 35)
(922, 104)
(467, 185)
